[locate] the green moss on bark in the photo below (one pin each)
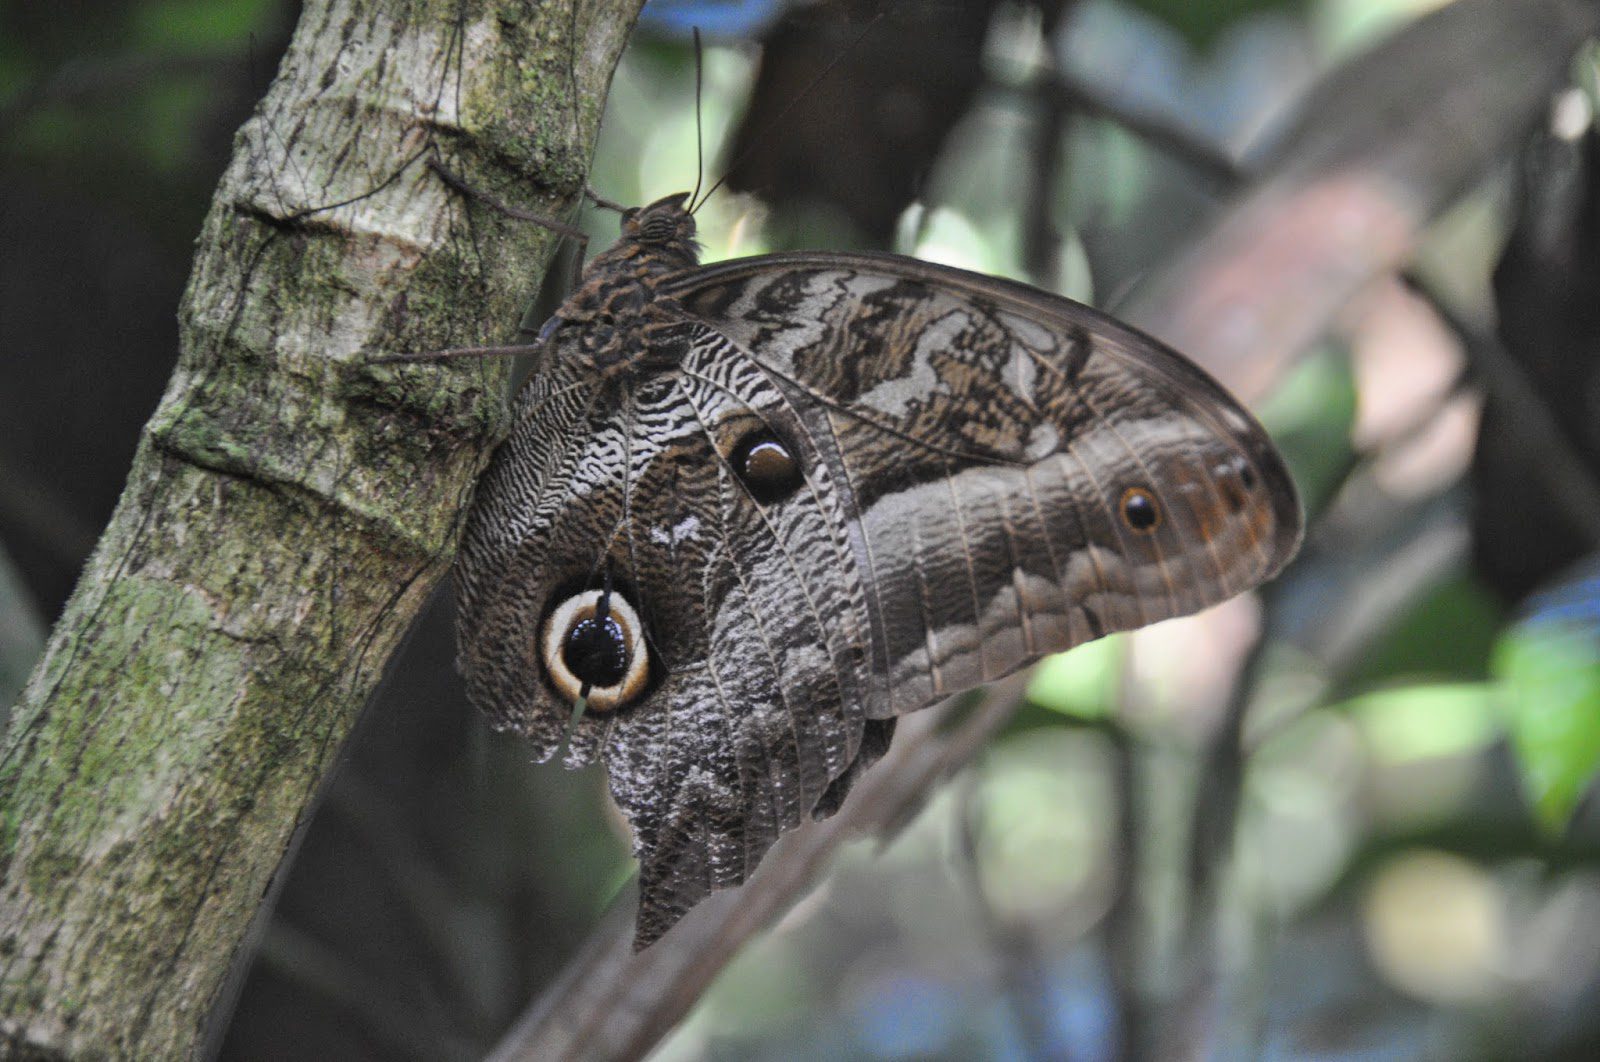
(290, 507)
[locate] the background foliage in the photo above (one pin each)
(1411, 866)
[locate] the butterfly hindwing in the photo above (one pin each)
(753, 611)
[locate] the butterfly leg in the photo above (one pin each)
(462, 185)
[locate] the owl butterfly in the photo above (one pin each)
(751, 512)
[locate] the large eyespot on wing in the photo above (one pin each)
(525, 539)
(726, 670)
(1028, 473)
(593, 649)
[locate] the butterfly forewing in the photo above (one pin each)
(1026, 474)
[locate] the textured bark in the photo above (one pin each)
(290, 505)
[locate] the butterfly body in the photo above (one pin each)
(752, 512)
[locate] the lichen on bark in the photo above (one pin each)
(290, 506)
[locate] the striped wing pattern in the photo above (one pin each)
(967, 447)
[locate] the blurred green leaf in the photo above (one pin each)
(170, 121)
(1347, 26)
(1427, 721)
(1448, 633)
(1082, 683)
(1550, 680)
(199, 26)
(1203, 23)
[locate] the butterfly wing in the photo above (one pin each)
(753, 613)
(1024, 472)
(985, 474)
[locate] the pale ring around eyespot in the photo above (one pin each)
(552, 650)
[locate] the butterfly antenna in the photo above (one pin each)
(699, 135)
(777, 123)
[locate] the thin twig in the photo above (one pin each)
(1122, 928)
(1162, 133)
(1041, 238)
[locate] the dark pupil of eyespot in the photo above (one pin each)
(1247, 476)
(597, 653)
(767, 467)
(1140, 509)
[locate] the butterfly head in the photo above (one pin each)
(663, 230)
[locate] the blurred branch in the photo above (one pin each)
(1061, 92)
(285, 518)
(1041, 238)
(1221, 777)
(1123, 929)
(614, 1003)
(1380, 147)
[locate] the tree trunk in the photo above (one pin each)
(290, 506)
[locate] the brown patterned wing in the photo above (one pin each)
(1024, 473)
(753, 613)
(972, 475)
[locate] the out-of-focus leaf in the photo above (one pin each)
(1080, 684)
(199, 26)
(1549, 672)
(1347, 26)
(1203, 23)
(173, 115)
(1447, 634)
(1425, 722)
(1536, 446)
